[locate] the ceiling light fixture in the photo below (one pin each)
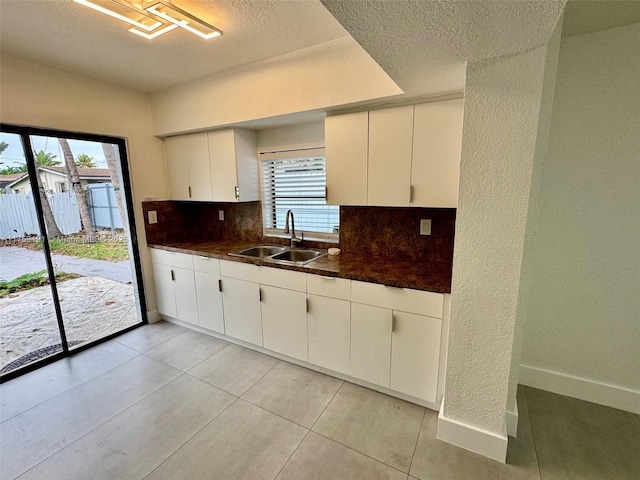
(183, 19)
(153, 20)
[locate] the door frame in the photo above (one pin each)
(25, 133)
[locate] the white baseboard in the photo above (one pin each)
(581, 388)
(472, 438)
(511, 419)
(153, 316)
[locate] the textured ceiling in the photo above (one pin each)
(69, 36)
(582, 17)
(423, 45)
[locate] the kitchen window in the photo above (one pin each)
(296, 181)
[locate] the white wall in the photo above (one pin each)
(294, 137)
(502, 103)
(330, 74)
(584, 310)
(44, 97)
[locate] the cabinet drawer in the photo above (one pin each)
(206, 265)
(333, 287)
(277, 277)
(241, 271)
(401, 299)
(174, 259)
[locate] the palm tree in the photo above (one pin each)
(85, 161)
(112, 165)
(44, 159)
(3, 147)
(72, 169)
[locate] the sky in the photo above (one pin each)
(13, 156)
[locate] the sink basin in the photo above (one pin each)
(261, 251)
(298, 256)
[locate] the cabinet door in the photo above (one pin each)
(224, 174)
(329, 323)
(284, 321)
(241, 305)
(188, 167)
(390, 144)
(185, 291)
(437, 144)
(346, 153)
(209, 302)
(165, 292)
(371, 343)
(415, 355)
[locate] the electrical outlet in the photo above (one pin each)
(221, 215)
(425, 226)
(153, 217)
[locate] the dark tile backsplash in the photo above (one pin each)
(395, 232)
(379, 231)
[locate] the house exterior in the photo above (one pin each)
(56, 180)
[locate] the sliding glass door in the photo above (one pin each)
(65, 199)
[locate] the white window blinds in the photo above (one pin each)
(297, 184)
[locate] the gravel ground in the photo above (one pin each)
(91, 308)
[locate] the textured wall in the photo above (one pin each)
(314, 78)
(46, 97)
(542, 142)
(502, 101)
(584, 309)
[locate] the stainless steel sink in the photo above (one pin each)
(261, 251)
(299, 256)
(280, 254)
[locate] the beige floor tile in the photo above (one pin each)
(581, 440)
(438, 460)
(295, 393)
(235, 369)
(150, 336)
(319, 458)
(244, 442)
(135, 442)
(34, 388)
(188, 350)
(380, 426)
(33, 436)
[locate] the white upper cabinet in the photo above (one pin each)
(346, 151)
(390, 144)
(234, 165)
(217, 166)
(401, 156)
(188, 167)
(437, 143)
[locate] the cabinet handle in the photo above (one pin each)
(260, 294)
(391, 286)
(410, 193)
(189, 191)
(237, 192)
(327, 278)
(203, 257)
(220, 285)
(393, 323)
(306, 302)
(173, 276)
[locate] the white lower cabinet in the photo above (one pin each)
(371, 343)
(165, 291)
(241, 301)
(210, 313)
(329, 323)
(175, 285)
(415, 355)
(284, 321)
(185, 291)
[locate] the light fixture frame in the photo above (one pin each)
(111, 13)
(215, 32)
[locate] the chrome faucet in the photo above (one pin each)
(294, 239)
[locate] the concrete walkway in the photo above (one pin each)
(16, 261)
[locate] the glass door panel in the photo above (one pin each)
(84, 180)
(29, 326)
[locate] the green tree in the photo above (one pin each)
(72, 170)
(3, 147)
(44, 159)
(85, 161)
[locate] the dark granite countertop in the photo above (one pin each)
(395, 272)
